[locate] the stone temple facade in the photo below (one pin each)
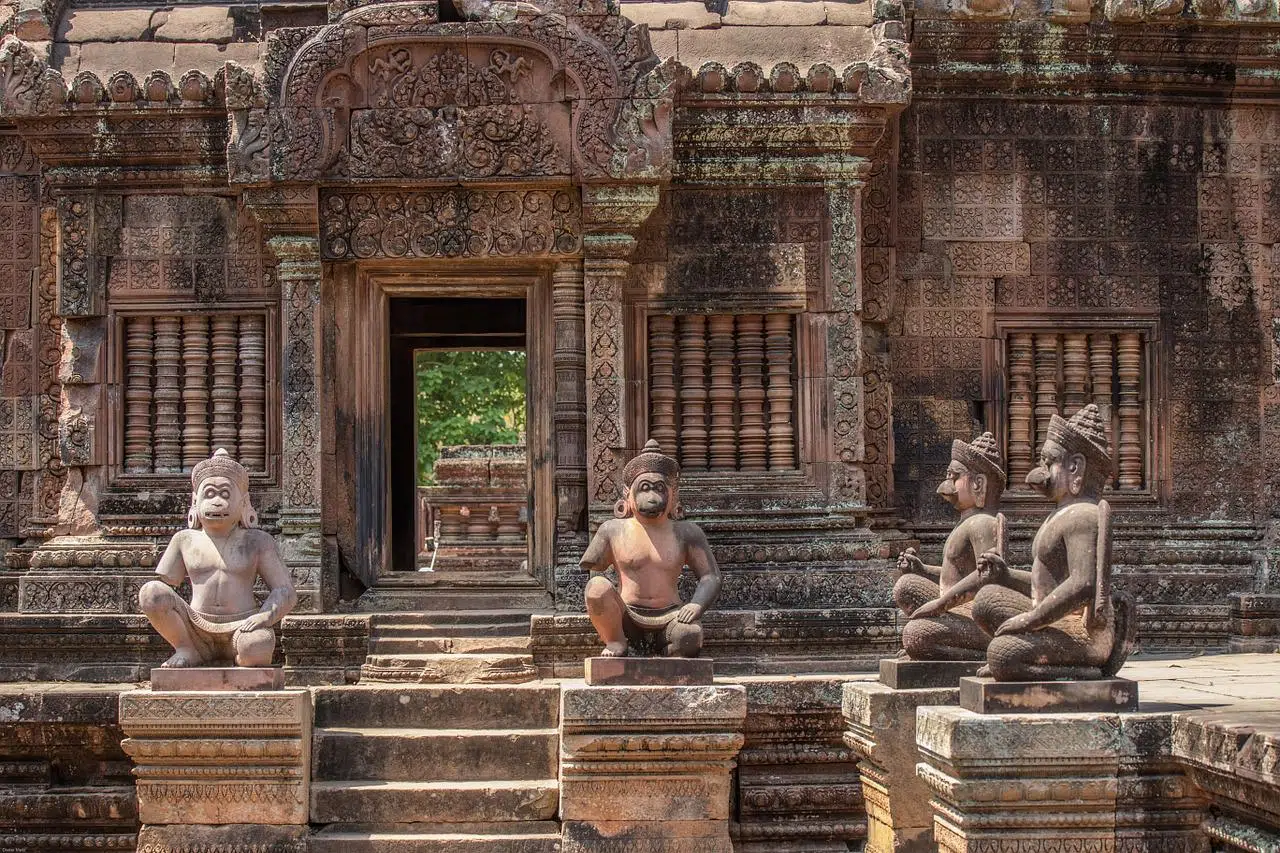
(803, 244)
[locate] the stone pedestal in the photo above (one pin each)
(238, 760)
(648, 769)
(880, 727)
(655, 671)
(1013, 783)
(219, 678)
(1102, 696)
(917, 674)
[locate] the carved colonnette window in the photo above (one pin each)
(191, 382)
(1050, 367)
(722, 390)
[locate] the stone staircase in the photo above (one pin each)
(450, 647)
(435, 769)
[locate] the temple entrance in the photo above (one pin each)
(458, 377)
(440, 378)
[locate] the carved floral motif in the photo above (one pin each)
(451, 223)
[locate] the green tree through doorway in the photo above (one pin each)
(466, 397)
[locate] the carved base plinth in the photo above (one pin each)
(233, 838)
(923, 674)
(217, 678)
(648, 769)
(1255, 623)
(219, 757)
(1039, 783)
(1102, 696)
(655, 671)
(881, 730)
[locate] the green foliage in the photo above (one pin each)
(466, 397)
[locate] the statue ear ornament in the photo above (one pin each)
(620, 509)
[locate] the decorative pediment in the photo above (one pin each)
(381, 95)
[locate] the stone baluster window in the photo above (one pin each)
(193, 382)
(722, 390)
(1058, 369)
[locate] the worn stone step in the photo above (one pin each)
(525, 837)
(434, 802)
(449, 668)
(434, 754)
(439, 706)
(403, 642)
(453, 631)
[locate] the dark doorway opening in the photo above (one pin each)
(419, 328)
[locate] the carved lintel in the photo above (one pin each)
(283, 211)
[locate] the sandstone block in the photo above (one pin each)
(255, 837)
(205, 757)
(218, 678)
(208, 24)
(880, 729)
(655, 671)
(647, 768)
(917, 674)
(672, 16)
(778, 13)
(1108, 695)
(850, 14)
(111, 25)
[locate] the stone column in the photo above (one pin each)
(880, 728)
(611, 217)
(299, 272)
(220, 770)
(1021, 783)
(568, 315)
(845, 401)
(648, 769)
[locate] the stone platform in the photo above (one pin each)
(902, 674)
(651, 671)
(217, 678)
(1103, 696)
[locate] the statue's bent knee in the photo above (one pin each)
(686, 639)
(254, 648)
(599, 588)
(155, 597)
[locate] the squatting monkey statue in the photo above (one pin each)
(223, 553)
(650, 547)
(938, 599)
(1060, 620)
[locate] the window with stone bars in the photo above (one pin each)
(722, 390)
(1059, 366)
(192, 382)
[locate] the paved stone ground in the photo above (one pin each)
(1207, 681)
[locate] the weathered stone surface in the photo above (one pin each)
(113, 25)
(218, 678)
(881, 730)
(672, 16)
(256, 837)
(209, 24)
(648, 766)
(754, 13)
(219, 757)
(647, 671)
(900, 674)
(1027, 781)
(1104, 696)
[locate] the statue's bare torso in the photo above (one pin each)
(971, 537)
(1065, 546)
(222, 572)
(649, 558)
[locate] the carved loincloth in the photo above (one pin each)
(217, 627)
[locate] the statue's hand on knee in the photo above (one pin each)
(992, 567)
(909, 562)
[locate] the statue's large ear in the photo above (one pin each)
(1076, 465)
(193, 517)
(622, 507)
(980, 483)
(248, 515)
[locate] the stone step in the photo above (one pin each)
(457, 596)
(449, 668)
(404, 642)
(441, 706)
(454, 617)
(405, 755)
(434, 802)
(526, 837)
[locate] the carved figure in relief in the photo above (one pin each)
(649, 546)
(1060, 620)
(223, 554)
(938, 599)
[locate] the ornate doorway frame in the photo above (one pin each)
(359, 317)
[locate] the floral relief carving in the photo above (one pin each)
(450, 223)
